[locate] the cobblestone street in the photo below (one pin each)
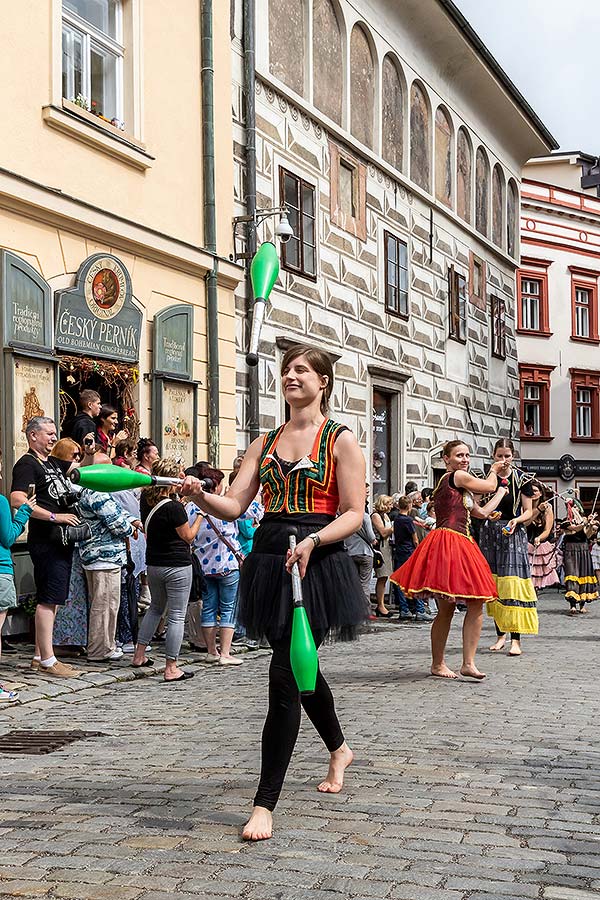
(459, 791)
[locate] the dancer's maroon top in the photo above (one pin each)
(448, 564)
(450, 509)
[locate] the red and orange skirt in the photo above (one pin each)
(447, 565)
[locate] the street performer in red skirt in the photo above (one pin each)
(448, 565)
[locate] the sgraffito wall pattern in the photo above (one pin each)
(482, 192)
(287, 43)
(392, 114)
(419, 137)
(464, 176)
(497, 206)
(443, 157)
(362, 87)
(328, 61)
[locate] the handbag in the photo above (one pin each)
(69, 535)
(239, 556)
(378, 559)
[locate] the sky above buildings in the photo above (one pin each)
(550, 50)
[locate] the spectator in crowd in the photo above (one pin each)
(416, 499)
(405, 542)
(84, 425)
(108, 436)
(410, 487)
(218, 550)
(169, 567)
(51, 559)
(131, 572)
(71, 622)
(147, 454)
(382, 525)
(103, 555)
(360, 547)
(426, 495)
(430, 515)
(125, 455)
(10, 529)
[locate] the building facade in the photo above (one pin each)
(558, 337)
(111, 277)
(398, 158)
(105, 261)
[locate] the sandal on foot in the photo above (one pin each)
(144, 665)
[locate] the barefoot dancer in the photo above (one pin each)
(309, 468)
(504, 545)
(448, 564)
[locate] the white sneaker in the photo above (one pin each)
(128, 648)
(115, 654)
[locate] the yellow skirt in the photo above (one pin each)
(515, 609)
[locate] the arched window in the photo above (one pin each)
(362, 86)
(498, 206)
(392, 114)
(287, 29)
(482, 192)
(443, 157)
(419, 137)
(512, 218)
(328, 60)
(464, 176)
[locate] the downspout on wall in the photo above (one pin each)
(249, 38)
(210, 225)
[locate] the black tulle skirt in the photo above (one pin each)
(333, 598)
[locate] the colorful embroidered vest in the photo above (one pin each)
(311, 486)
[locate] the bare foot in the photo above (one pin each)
(582, 609)
(499, 645)
(338, 763)
(259, 826)
(515, 648)
(443, 671)
(471, 672)
(573, 611)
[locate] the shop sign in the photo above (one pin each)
(587, 467)
(177, 427)
(173, 341)
(546, 467)
(27, 305)
(33, 395)
(98, 316)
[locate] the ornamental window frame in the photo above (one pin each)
(536, 270)
(585, 381)
(537, 376)
(584, 280)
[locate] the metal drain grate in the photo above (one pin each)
(38, 742)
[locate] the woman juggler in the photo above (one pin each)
(310, 469)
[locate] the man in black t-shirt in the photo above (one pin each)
(84, 426)
(51, 560)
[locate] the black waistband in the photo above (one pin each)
(312, 520)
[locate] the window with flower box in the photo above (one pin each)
(535, 401)
(585, 405)
(92, 57)
(584, 305)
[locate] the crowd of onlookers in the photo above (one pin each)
(115, 571)
(385, 541)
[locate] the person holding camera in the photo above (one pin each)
(38, 473)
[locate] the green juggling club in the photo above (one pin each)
(114, 478)
(263, 274)
(303, 652)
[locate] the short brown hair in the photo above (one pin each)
(164, 468)
(88, 396)
(317, 360)
(404, 503)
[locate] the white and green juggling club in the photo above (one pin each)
(263, 274)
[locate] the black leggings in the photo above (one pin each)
(514, 635)
(283, 721)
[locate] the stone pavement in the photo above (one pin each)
(459, 791)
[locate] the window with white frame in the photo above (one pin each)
(530, 303)
(92, 56)
(583, 412)
(532, 409)
(582, 312)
